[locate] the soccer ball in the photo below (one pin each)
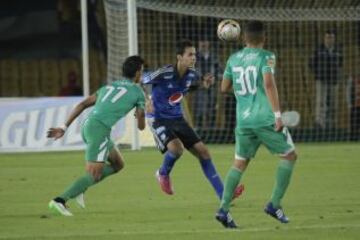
(228, 30)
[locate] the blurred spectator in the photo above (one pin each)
(205, 99)
(326, 64)
(96, 35)
(353, 94)
(72, 88)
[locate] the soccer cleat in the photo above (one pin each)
(225, 219)
(60, 208)
(165, 183)
(276, 213)
(238, 191)
(80, 200)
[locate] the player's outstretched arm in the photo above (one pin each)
(58, 132)
(272, 94)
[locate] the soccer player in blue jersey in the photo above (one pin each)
(171, 131)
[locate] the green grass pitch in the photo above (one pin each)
(323, 200)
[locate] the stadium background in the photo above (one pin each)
(40, 43)
(41, 50)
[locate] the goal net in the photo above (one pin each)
(321, 83)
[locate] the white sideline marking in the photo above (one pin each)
(200, 231)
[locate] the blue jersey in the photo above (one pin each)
(168, 90)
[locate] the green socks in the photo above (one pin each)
(283, 176)
(231, 181)
(84, 182)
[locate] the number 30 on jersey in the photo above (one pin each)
(246, 80)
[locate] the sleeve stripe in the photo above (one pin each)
(160, 71)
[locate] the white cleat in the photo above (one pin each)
(59, 208)
(80, 200)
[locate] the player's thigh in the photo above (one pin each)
(98, 143)
(246, 144)
(186, 134)
(278, 142)
(163, 134)
(200, 151)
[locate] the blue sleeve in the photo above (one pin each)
(153, 77)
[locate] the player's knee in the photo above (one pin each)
(118, 166)
(176, 151)
(204, 153)
(241, 164)
(292, 156)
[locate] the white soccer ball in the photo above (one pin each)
(228, 30)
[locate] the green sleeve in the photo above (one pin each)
(228, 73)
(268, 64)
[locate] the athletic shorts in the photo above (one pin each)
(97, 138)
(248, 140)
(165, 130)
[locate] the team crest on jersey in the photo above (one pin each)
(170, 85)
(175, 98)
(271, 62)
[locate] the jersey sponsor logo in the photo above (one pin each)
(167, 77)
(188, 83)
(175, 98)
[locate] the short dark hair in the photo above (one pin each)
(182, 45)
(254, 31)
(131, 65)
(331, 32)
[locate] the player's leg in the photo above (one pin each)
(115, 159)
(174, 151)
(246, 145)
(282, 144)
(245, 148)
(193, 143)
(97, 152)
(114, 164)
(200, 151)
(169, 144)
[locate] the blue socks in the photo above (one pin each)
(168, 163)
(211, 174)
(207, 167)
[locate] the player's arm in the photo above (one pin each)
(140, 116)
(58, 132)
(272, 94)
(226, 83)
(140, 110)
(226, 86)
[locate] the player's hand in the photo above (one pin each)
(55, 133)
(278, 124)
(95, 169)
(208, 80)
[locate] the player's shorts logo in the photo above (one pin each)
(175, 98)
